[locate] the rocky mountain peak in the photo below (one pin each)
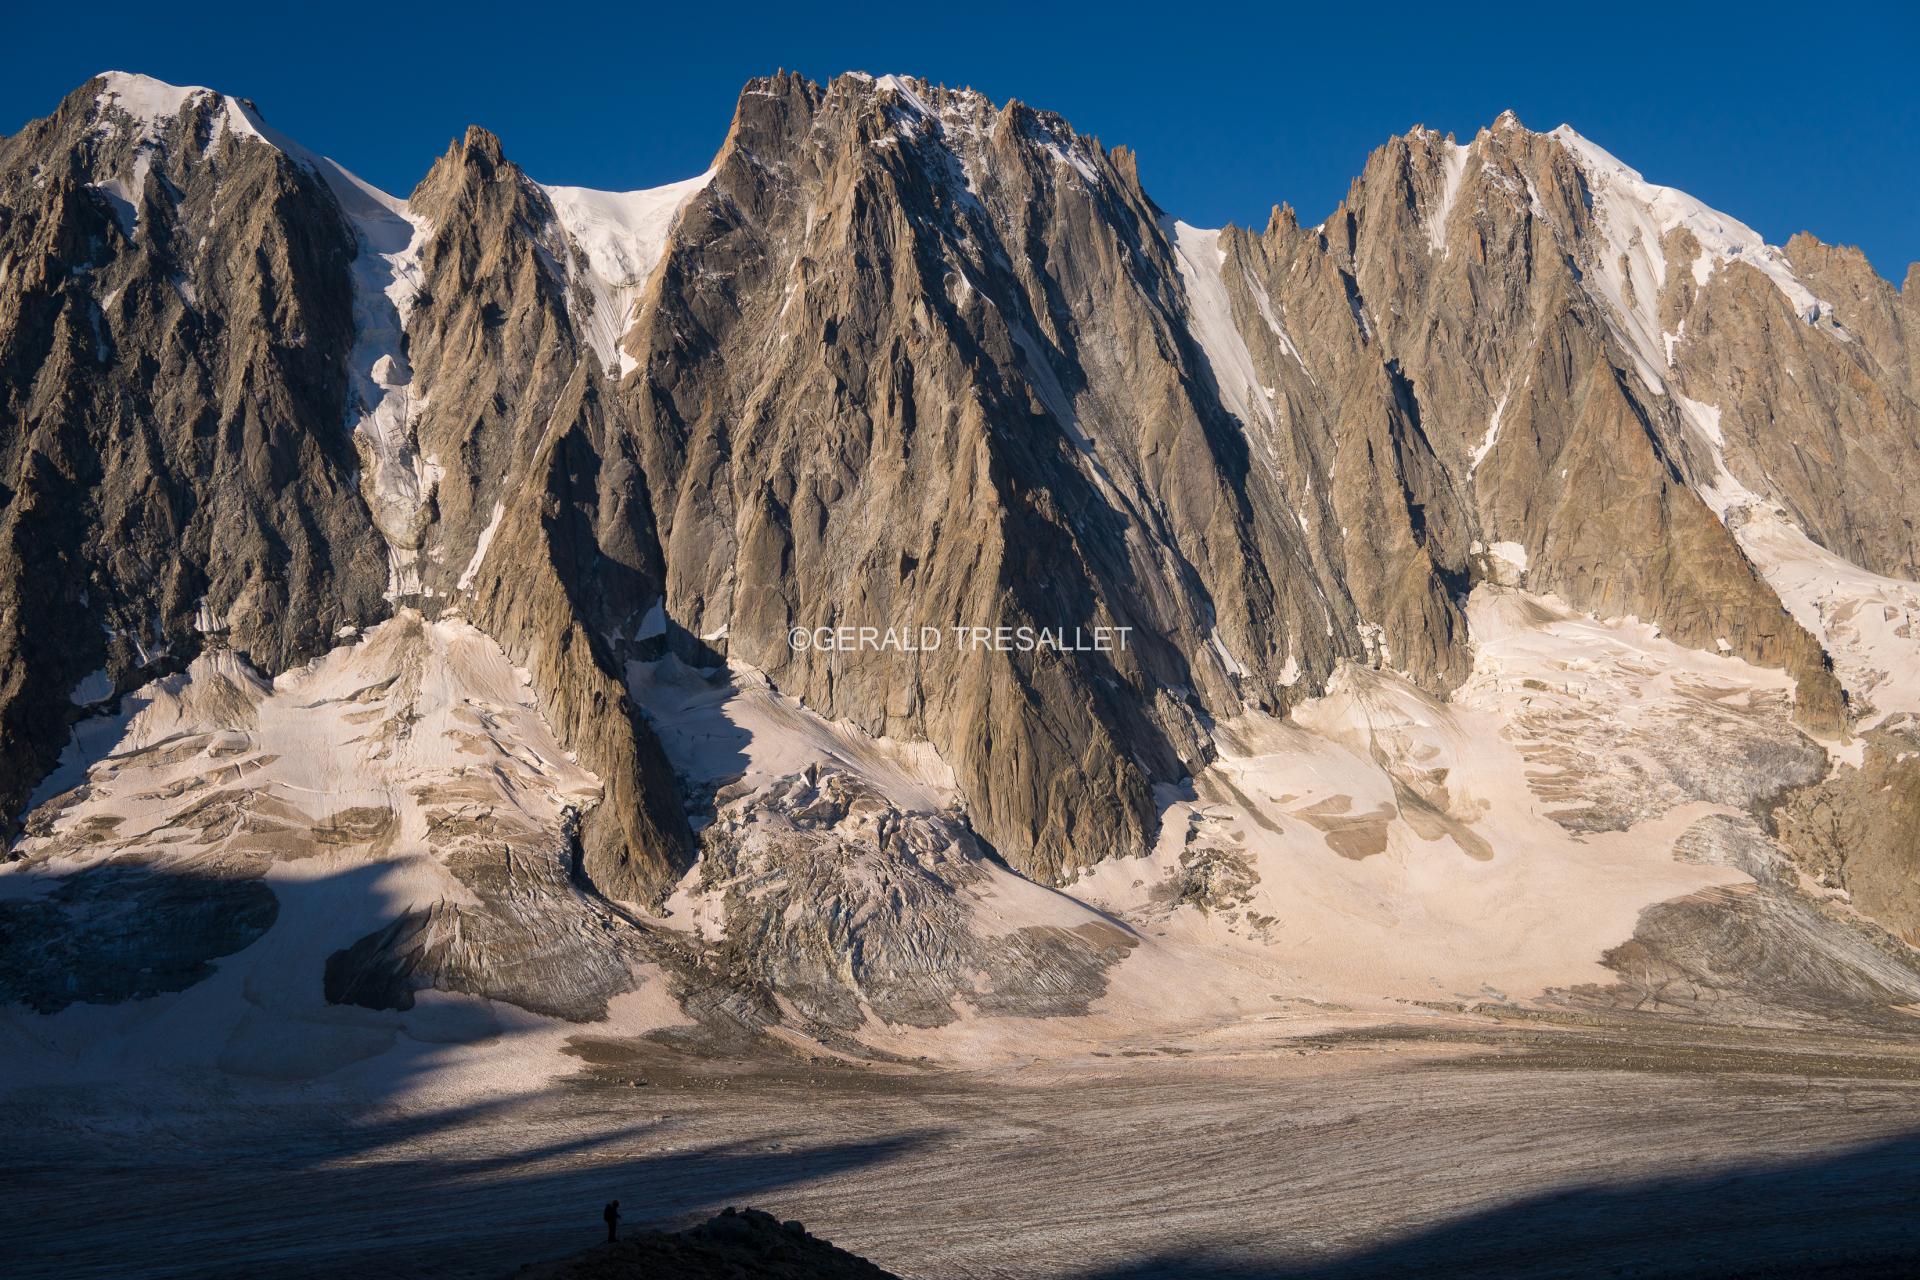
(149, 106)
(468, 166)
(480, 145)
(176, 462)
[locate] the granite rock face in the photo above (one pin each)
(913, 361)
(175, 317)
(1845, 470)
(537, 491)
(1265, 453)
(1508, 293)
(1859, 831)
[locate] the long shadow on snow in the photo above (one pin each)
(192, 1105)
(427, 1211)
(1850, 1214)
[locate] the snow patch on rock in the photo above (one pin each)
(1635, 216)
(1868, 623)
(151, 104)
(1453, 170)
(622, 236)
(1210, 309)
(407, 775)
(480, 547)
(96, 686)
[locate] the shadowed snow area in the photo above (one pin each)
(1516, 1151)
(362, 847)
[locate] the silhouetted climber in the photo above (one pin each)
(612, 1214)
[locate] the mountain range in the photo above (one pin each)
(421, 619)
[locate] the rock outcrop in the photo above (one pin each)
(907, 359)
(732, 1245)
(1859, 831)
(1491, 287)
(841, 905)
(913, 361)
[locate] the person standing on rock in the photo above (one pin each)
(612, 1216)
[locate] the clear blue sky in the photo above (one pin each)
(1788, 117)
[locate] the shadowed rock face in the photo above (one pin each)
(175, 314)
